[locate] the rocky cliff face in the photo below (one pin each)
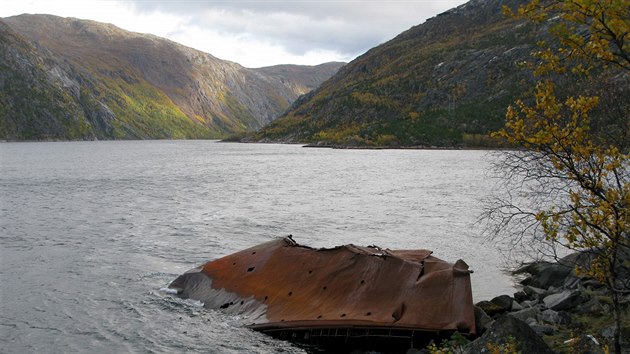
(141, 86)
(42, 97)
(445, 82)
(300, 78)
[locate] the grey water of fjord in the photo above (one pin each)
(91, 231)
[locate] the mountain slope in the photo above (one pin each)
(151, 87)
(39, 99)
(302, 78)
(444, 83)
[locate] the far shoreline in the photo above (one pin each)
(303, 144)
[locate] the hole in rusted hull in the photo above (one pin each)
(421, 274)
(399, 312)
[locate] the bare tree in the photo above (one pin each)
(568, 179)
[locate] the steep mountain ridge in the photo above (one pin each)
(445, 82)
(300, 78)
(145, 81)
(41, 96)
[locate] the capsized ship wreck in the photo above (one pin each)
(341, 295)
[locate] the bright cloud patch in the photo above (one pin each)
(254, 33)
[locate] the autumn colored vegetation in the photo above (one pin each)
(574, 159)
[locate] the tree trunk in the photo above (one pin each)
(617, 317)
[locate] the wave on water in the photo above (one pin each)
(168, 291)
(113, 223)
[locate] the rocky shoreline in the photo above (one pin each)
(556, 311)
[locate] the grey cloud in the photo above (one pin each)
(348, 27)
(313, 8)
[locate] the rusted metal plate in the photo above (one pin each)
(280, 284)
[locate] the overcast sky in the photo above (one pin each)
(254, 33)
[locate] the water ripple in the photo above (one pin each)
(91, 231)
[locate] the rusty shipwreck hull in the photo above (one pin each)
(280, 286)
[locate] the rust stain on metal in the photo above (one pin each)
(280, 284)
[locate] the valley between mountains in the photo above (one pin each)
(444, 83)
(71, 79)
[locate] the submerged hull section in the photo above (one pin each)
(280, 285)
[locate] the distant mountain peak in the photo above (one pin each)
(145, 86)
